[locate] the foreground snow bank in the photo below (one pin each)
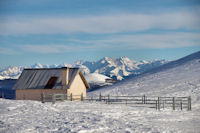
(32, 116)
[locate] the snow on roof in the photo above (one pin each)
(38, 78)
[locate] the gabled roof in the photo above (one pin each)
(72, 74)
(38, 78)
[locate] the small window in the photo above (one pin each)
(51, 83)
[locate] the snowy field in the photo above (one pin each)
(178, 78)
(32, 116)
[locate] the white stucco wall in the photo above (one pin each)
(77, 87)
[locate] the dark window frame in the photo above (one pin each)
(51, 83)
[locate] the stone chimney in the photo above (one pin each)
(65, 76)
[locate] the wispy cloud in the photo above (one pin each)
(155, 41)
(164, 40)
(7, 51)
(44, 49)
(56, 48)
(102, 24)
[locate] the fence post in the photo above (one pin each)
(163, 104)
(158, 103)
(108, 98)
(91, 98)
(189, 103)
(71, 97)
(173, 102)
(63, 97)
(100, 97)
(43, 98)
(181, 105)
(53, 98)
(81, 96)
(144, 99)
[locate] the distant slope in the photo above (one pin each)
(177, 78)
(96, 78)
(176, 63)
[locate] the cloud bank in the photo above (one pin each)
(153, 41)
(101, 24)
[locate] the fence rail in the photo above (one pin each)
(175, 103)
(60, 97)
(155, 102)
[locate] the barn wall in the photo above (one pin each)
(35, 94)
(77, 87)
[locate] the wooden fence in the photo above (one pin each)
(60, 97)
(150, 101)
(175, 103)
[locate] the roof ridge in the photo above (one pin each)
(50, 68)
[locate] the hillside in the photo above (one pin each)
(177, 78)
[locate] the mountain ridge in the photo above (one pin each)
(117, 68)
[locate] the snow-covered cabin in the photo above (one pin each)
(32, 83)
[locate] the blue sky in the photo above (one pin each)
(64, 31)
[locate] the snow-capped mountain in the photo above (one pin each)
(176, 78)
(116, 68)
(11, 72)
